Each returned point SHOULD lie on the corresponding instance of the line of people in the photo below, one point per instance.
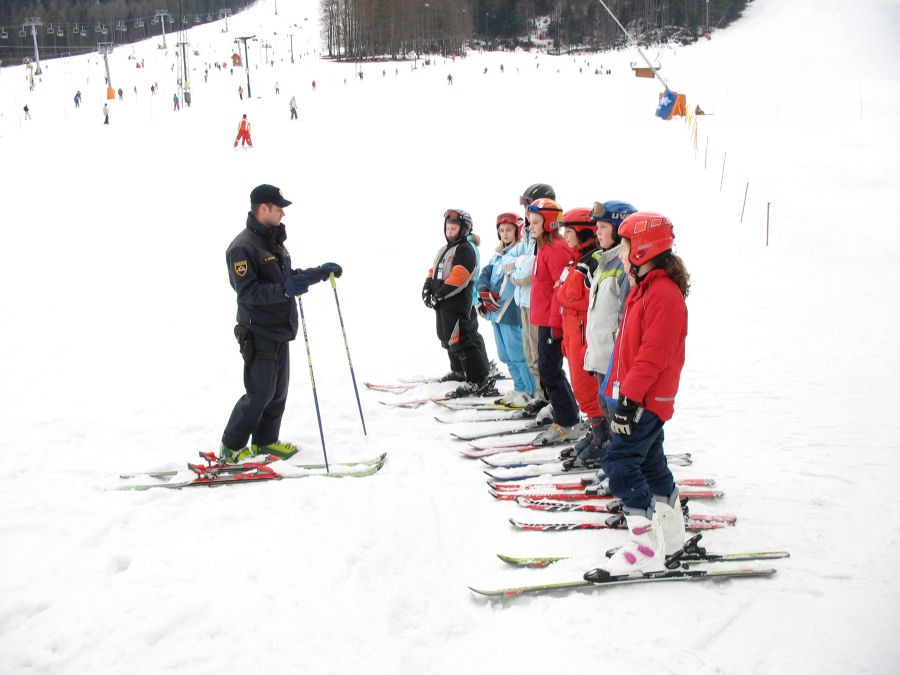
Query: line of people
(601, 288)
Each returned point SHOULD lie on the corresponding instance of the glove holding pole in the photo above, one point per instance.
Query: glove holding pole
(316, 274)
(296, 284)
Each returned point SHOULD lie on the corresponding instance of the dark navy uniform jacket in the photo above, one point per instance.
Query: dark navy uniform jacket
(258, 265)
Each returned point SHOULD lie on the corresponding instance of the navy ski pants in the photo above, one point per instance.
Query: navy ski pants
(636, 464)
(257, 414)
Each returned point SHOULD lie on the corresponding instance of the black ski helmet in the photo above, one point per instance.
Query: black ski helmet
(537, 191)
(461, 217)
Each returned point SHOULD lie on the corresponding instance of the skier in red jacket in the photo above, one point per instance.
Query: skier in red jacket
(243, 134)
(646, 367)
(573, 295)
(552, 257)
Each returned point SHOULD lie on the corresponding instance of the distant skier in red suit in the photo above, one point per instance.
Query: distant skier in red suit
(243, 134)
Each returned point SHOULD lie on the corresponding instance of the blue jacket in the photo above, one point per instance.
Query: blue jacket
(496, 279)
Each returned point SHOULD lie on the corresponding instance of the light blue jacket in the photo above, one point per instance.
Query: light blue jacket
(519, 261)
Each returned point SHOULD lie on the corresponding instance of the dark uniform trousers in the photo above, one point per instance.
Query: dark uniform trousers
(257, 414)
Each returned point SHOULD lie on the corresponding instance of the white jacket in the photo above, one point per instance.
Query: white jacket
(609, 288)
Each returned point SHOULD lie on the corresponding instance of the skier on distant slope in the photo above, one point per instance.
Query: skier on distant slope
(449, 289)
(243, 134)
(646, 368)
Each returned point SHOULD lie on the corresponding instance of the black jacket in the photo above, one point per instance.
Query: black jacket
(258, 265)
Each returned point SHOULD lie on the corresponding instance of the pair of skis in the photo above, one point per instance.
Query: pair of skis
(679, 566)
(215, 473)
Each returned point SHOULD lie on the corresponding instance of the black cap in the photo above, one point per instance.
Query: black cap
(268, 194)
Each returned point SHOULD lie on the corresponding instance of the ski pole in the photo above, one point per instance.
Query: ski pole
(312, 379)
(347, 349)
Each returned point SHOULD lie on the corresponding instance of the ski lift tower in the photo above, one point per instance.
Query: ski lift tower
(106, 48)
(34, 22)
(185, 83)
(225, 12)
(246, 58)
(161, 15)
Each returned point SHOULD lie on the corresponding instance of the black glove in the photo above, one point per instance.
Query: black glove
(296, 284)
(624, 416)
(330, 268)
(428, 294)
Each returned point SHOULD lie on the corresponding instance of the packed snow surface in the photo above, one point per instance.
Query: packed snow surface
(118, 355)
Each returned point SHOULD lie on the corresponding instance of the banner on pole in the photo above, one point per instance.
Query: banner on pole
(671, 104)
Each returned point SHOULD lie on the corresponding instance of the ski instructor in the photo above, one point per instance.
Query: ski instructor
(259, 269)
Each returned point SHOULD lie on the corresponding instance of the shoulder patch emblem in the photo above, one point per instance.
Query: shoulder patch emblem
(240, 268)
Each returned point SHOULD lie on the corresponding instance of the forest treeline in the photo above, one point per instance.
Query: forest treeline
(373, 29)
(362, 29)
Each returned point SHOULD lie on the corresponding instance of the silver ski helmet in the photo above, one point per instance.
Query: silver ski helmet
(462, 218)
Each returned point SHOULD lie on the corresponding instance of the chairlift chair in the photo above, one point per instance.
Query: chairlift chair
(75, 29)
(22, 33)
(139, 23)
(83, 32)
(50, 30)
(97, 28)
(60, 33)
(4, 35)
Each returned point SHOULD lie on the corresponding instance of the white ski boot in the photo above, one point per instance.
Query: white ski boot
(645, 552)
(671, 520)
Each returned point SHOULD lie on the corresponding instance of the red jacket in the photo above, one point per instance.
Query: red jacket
(574, 293)
(549, 264)
(649, 351)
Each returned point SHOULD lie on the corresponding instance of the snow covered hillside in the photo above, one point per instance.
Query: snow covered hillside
(117, 352)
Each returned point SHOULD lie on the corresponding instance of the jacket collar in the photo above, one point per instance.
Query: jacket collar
(273, 235)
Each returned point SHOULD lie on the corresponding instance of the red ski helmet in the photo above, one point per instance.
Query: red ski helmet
(549, 209)
(579, 219)
(650, 234)
(512, 219)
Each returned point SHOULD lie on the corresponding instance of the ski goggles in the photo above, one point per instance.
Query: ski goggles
(452, 216)
(511, 218)
(598, 211)
(535, 208)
